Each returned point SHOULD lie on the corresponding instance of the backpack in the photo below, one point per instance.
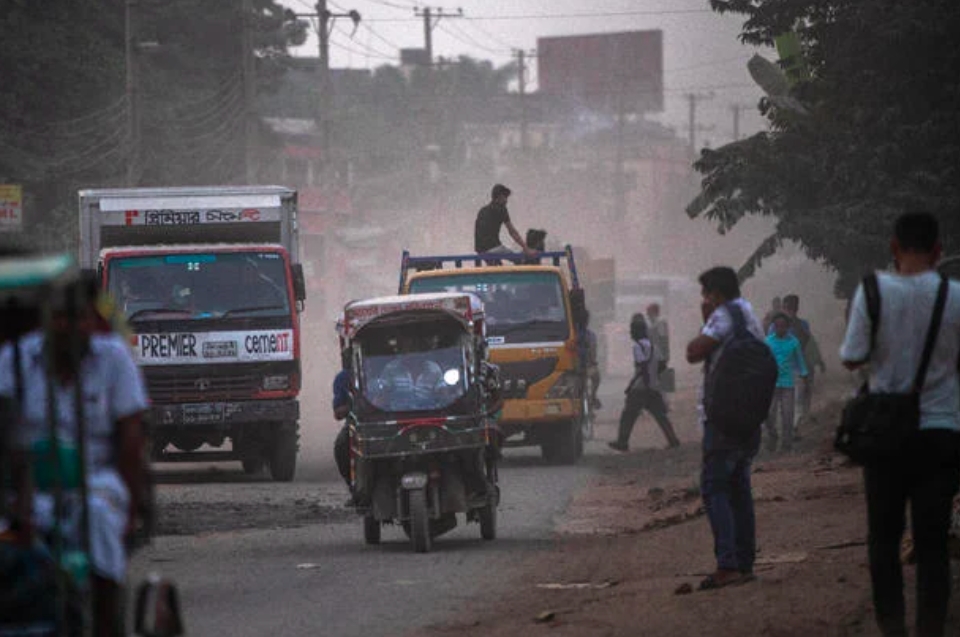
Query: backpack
(741, 382)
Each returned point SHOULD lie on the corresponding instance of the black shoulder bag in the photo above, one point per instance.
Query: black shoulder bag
(875, 426)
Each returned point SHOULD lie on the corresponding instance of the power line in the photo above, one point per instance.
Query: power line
(560, 16)
(465, 38)
(370, 51)
(394, 5)
(499, 40)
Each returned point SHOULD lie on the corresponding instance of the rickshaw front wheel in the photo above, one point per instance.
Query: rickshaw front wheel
(419, 520)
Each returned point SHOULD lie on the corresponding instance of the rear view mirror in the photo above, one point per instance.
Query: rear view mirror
(299, 283)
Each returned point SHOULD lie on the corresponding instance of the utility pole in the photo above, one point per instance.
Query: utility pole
(133, 123)
(522, 91)
(325, 20)
(692, 99)
(736, 109)
(430, 21)
(249, 95)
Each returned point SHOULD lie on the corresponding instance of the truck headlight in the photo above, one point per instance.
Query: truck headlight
(276, 383)
(566, 386)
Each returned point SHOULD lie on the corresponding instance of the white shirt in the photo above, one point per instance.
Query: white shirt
(644, 353)
(719, 327)
(906, 307)
(113, 389)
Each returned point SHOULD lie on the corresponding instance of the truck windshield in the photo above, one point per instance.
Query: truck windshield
(413, 368)
(521, 307)
(208, 285)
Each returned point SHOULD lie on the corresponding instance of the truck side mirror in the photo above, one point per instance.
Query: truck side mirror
(299, 283)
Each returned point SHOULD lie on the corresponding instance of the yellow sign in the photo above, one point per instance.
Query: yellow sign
(11, 208)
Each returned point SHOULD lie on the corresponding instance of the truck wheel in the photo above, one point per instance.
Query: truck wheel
(252, 466)
(419, 520)
(371, 530)
(283, 460)
(488, 521)
(564, 445)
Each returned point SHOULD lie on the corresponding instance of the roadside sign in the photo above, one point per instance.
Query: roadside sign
(11, 208)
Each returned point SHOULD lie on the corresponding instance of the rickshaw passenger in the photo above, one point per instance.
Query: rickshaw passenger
(115, 399)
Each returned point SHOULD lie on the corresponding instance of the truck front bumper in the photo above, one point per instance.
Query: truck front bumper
(223, 415)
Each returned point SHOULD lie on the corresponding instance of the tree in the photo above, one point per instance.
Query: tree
(64, 116)
(881, 132)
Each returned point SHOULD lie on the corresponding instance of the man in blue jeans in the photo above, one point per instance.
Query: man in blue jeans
(725, 474)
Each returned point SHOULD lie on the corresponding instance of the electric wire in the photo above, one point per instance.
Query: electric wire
(465, 38)
(560, 16)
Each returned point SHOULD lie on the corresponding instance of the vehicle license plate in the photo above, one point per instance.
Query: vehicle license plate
(220, 349)
(202, 414)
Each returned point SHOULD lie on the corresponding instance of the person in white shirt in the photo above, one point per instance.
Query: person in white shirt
(643, 392)
(927, 473)
(115, 399)
(725, 473)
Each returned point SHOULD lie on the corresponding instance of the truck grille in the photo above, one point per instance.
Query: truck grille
(517, 377)
(197, 387)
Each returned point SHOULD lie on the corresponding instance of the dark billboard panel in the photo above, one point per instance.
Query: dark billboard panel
(600, 69)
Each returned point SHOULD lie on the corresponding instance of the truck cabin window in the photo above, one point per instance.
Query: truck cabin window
(222, 285)
(413, 368)
(521, 307)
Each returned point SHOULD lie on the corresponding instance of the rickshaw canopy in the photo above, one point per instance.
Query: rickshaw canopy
(465, 308)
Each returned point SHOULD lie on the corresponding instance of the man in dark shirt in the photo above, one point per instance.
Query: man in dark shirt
(486, 232)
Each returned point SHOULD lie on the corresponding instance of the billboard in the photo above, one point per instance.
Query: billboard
(11, 208)
(604, 71)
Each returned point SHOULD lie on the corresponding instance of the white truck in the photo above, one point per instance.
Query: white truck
(210, 282)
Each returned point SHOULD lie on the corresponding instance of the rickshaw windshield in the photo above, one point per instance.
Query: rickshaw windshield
(413, 366)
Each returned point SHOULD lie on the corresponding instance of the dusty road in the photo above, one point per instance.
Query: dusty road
(254, 558)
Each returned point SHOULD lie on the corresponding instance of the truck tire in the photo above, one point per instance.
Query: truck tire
(488, 521)
(283, 459)
(564, 445)
(252, 466)
(419, 520)
(371, 529)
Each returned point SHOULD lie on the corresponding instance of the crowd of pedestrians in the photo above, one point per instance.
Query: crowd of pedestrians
(886, 347)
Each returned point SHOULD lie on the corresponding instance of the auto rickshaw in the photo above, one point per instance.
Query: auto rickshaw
(423, 435)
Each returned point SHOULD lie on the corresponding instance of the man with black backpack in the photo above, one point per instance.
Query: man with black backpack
(740, 374)
(906, 325)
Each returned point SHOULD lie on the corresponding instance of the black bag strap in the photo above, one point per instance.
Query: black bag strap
(932, 334)
(739, 320)
(871, 293)
(17, 373)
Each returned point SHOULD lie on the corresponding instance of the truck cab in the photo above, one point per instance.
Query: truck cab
(533, 336)
(210, 285)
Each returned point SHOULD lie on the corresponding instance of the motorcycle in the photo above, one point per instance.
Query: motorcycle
(423, 438)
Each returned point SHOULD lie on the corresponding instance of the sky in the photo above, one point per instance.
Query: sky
(702, 53)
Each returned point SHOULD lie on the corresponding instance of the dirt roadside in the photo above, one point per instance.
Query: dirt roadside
(638, 533)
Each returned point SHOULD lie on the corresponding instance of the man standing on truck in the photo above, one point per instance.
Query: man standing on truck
(486, 229)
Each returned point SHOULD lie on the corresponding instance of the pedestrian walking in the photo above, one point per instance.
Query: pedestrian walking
(643, 391)
(801, 329)
(727, 459)
(776, 307)
(790, 363)
(926, 469)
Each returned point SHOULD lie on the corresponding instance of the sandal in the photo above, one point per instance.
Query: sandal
(721, 579)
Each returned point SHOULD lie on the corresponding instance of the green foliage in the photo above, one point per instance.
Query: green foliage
(64, 117)
(882, 134)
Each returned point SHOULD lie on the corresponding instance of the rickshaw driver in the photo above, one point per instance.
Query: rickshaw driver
(342, 404)
(116, 399)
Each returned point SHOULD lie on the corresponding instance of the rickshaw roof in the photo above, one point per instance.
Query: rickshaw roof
(28, 276)
(465, 307)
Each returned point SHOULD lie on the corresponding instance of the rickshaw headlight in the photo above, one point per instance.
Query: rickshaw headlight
(565, 387)
(451, 377)
(276, 383)
(414, 481)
